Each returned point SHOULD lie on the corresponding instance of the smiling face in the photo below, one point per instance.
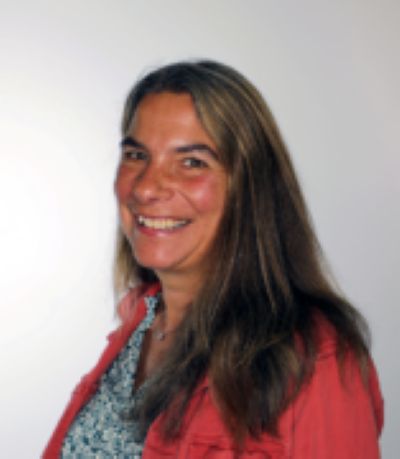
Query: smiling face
(170, 186)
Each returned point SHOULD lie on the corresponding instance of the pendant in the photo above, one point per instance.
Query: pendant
(159, 335)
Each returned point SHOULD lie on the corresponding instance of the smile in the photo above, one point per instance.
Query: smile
(161, 223)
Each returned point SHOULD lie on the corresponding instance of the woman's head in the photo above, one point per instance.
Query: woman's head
(264, 211)
(171, 188)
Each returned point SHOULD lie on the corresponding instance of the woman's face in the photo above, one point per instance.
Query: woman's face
(171, 186)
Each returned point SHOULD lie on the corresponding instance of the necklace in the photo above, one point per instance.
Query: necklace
(161, 333)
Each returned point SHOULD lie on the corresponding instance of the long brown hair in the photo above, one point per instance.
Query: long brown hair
(267, 285)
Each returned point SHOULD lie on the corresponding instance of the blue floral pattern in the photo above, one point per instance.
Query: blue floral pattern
(101, 429)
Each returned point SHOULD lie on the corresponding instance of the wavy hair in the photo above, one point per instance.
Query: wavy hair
(253, 326)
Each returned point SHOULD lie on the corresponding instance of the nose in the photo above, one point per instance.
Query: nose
(153, 183)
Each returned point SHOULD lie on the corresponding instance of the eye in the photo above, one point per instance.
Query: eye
(134, 155)
(194, 163)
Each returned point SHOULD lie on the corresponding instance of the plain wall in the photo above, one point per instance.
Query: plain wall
(330, 72)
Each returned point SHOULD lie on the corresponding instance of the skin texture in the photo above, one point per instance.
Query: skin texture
(170, 169)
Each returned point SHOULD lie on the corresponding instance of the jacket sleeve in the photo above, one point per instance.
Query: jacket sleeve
(338, 414)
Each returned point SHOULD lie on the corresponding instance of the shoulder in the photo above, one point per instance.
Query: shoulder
(331, 417)
(131, 310)
(339, 410)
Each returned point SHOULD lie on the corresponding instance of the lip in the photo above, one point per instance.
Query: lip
(160, 224)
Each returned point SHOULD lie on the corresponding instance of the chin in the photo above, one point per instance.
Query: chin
(155, 263)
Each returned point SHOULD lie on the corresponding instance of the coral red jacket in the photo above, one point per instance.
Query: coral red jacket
(328, 420)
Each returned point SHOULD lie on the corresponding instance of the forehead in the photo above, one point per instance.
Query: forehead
(164, 104)
(167, 114)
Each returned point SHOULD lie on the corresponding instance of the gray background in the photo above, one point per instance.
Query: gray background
(329, 70)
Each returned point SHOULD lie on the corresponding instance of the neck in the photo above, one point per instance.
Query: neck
(178, 293)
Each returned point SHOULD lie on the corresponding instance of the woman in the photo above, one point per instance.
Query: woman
(232, 342)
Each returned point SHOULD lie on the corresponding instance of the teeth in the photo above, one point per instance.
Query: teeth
(160, 223)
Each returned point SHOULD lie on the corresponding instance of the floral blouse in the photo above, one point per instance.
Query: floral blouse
(103, 428)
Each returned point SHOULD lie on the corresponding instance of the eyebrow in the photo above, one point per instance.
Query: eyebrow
(196, 147)
(132, 142)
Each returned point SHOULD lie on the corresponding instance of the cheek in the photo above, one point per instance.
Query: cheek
(207, 193)
(123, 184)
(122, 189)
